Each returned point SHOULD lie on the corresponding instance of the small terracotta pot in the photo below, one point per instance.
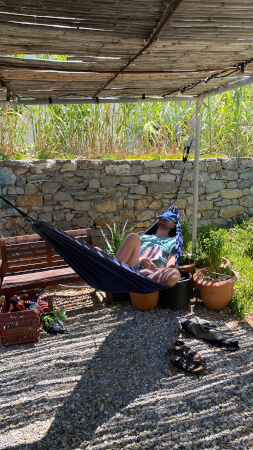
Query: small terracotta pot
(144, 302)
(190, 268)
(216, 295)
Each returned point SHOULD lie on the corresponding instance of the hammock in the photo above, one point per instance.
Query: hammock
(98, 269)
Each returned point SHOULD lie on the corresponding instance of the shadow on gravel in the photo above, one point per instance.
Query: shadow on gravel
(125, 366)
(128, 395)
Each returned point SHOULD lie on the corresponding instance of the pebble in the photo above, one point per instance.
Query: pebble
(118, 390)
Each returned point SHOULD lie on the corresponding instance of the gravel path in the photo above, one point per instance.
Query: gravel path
(109, 384)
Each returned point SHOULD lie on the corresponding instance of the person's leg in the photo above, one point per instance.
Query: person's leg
(168, 276)
(129, 251)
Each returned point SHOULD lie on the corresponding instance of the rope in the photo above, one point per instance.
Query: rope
(19, 210)
(187, 149)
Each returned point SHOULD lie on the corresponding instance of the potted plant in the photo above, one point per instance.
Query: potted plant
(215, 282)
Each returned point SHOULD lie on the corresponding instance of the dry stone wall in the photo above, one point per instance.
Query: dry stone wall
(89, 193)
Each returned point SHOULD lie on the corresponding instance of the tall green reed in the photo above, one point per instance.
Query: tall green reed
(128, 130)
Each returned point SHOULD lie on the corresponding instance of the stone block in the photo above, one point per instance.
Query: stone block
(62, 196)
(15, 190)
(203, 177)
(118, 169)
(227, 175)
(139, 189)
(228, 212)
(109, 181)
(247, 176)
(47, 217)
(214, 165)
(167, 177)
(90, 164)
(7, 177)
(214, 186)
(247, 201)
(77, 206)
(231, 193)
(106, 206)
(152, 163)
(145, 215)
(128, 181)
(136, 169)
(49, 187)
(88, 173)
(31, 189)
(30, 200)
(149, 177)
(232, 185)
(37, 178)
(246, 163)
(230, 163)
(94, 183)
(161, 188)
(69, 166)
(205, 205)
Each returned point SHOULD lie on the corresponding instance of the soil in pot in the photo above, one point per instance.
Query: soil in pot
(216, 294)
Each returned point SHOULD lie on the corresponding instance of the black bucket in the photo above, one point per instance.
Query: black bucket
(178, 296)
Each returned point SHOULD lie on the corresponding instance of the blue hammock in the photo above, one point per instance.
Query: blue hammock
(98, 269)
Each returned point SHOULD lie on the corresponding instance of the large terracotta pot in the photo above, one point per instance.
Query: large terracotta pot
(190, 268)
(144, 302)
(216, 295)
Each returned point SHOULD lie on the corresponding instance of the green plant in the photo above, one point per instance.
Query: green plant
(116, 237)
(187, 241)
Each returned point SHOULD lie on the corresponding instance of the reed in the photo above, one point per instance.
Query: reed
(146, 130)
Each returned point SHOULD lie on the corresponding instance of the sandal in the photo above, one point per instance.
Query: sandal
(180, 349)
(187, 364)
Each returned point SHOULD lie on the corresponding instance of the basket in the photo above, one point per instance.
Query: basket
(19, 327)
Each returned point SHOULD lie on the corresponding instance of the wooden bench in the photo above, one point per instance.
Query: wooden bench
(28, 262)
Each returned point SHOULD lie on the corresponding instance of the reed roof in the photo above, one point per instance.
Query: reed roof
(126, 48)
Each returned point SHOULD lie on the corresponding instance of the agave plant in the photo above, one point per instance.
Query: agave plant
(116, 237)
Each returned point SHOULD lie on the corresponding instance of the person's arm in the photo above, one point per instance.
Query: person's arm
(171, 261)
(147, 263)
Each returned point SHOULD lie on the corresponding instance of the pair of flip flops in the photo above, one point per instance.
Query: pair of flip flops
(186, 359)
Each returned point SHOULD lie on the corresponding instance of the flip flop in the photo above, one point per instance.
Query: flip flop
(180, 349)
(187, 364)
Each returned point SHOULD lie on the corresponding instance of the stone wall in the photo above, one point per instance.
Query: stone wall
(83, 193)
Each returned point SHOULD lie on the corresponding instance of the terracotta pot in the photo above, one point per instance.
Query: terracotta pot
(144, 302)
(216, 295)
(190, 268)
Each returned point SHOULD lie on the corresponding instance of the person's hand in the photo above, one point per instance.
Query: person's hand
(147, 263)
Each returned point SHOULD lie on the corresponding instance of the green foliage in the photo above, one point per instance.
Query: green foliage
(187, 242)
(116, 237)
(123, 131)
(238, 239)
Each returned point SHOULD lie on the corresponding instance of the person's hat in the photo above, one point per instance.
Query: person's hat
(169, 216)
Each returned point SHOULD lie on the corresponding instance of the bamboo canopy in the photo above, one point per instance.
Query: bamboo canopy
(123, 49)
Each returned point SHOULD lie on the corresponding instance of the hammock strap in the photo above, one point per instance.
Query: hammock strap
(187, 149)
(19, 210)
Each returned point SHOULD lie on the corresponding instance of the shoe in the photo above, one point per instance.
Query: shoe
(180, 349)
(188, 364)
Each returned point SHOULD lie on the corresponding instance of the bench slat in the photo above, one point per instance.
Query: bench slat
(28, 259)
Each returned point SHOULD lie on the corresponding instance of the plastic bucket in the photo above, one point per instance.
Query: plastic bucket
(178, 296)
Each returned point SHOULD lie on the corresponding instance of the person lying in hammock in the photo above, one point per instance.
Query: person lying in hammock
(153, 255)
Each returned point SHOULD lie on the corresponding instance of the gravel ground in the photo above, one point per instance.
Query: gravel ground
(109, 384)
